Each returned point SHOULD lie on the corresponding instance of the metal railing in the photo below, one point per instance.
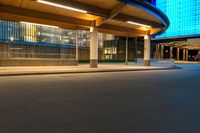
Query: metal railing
(162, 61)
(37, 55)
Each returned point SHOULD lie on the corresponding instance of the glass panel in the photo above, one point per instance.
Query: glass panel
(184, 16)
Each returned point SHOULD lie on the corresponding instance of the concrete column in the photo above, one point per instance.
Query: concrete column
(135, 43)
(162, 52)
(186, 55)
(183, 54)
(177, 54)
(171, 52)
(126, 60)
(94, 47)
(158, 51)
(147, 50)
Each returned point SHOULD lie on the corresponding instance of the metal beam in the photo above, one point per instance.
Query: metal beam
(22, 14)
(116, 10)
(42, 15)
(122, 31)
(76, 4)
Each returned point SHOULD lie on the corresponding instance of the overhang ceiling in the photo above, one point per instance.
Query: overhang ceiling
(183, 45)
(110, 16)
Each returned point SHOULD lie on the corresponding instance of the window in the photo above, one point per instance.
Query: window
(184, 16)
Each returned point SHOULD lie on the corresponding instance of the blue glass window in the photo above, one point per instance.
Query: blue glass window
(184, 16)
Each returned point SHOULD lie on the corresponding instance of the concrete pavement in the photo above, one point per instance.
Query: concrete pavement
(128, 102)
(82, 68)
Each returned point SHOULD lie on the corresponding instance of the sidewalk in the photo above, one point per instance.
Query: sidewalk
(82, 68)
(187, 62)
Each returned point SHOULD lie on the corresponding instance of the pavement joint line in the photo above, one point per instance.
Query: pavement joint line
(87, 71)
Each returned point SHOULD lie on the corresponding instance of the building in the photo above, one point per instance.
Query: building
(31, 40)
(181, 40)
(57, 32)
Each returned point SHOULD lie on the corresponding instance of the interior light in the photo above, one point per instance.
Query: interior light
(12, 38)
(39, 24)
(91, 29)
(146, 37)
(61, 6)
(143, 25)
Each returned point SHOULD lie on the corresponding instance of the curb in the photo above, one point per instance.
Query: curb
(95, 71)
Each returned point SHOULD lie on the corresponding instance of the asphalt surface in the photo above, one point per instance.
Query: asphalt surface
(119, 102)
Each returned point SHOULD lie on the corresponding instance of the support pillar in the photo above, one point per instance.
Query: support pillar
(177, 54)
(186, 55)
(158, 51)
(162, 52)
(93, 47)
(171, 52)
(183, 54)
(126, 60)
(136, 56)
(147, 50)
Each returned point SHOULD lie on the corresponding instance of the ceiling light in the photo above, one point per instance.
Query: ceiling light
(39, 24)
(61, 6)
(143, 25)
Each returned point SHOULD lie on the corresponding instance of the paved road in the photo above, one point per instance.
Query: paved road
(125, 102)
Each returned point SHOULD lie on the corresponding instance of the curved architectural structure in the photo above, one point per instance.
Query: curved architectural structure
(111, 16)
(118, 17)
(151, 9)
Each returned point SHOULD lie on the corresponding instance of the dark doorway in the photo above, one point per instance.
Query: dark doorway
(166, 52)
(192, 55)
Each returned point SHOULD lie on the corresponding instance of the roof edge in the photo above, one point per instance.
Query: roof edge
(150, 8)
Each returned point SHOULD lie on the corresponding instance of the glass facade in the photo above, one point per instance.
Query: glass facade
(32, 40)
(115, 50)
(9, 30)
(184, 16)
(35, 33)
(31, 33)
